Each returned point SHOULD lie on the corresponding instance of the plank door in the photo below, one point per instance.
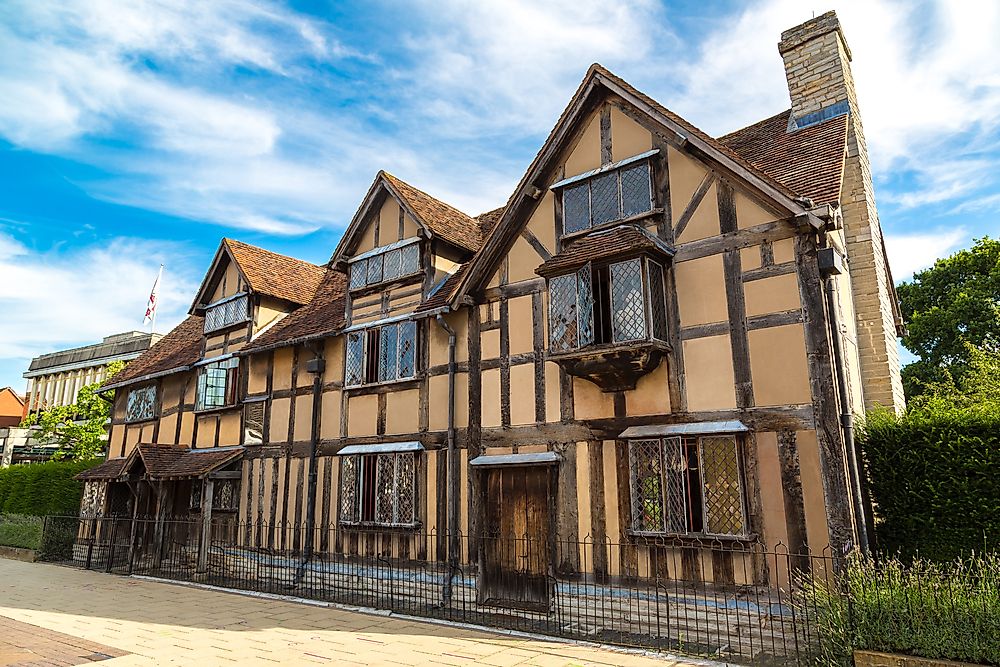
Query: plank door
(515, 553)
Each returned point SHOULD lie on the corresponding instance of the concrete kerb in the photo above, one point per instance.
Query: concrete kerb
(371, 611)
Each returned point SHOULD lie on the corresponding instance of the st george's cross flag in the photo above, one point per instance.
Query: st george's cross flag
(151, 306)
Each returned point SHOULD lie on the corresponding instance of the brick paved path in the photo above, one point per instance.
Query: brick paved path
(164, 624)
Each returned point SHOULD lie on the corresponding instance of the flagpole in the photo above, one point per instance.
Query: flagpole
(152, 325)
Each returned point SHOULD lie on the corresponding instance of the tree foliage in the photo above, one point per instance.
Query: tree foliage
(947, 308)
(78, 429)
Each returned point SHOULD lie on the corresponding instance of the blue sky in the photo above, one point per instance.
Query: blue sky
(138, 133)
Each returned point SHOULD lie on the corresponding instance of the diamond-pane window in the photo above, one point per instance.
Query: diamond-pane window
(657, 301)
(635, 189)
(141, 404)
(228, 313)
(646, 478)
(375, 269)
(562, 313)
(628, 310)
(585, 305)
(355, 366)
(409, 259)
(721, 475)
(378, 489)
(407, 348)
(604, 201)
(226, 495)
(381, 354)
(576, 208)
(359, 274)
(391, 265)
(388, 353)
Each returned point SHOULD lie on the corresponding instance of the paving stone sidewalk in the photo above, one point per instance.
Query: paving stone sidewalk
(84, 616)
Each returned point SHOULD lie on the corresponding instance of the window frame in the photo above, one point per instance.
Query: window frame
(230, 389)
(685, 443)
(351, 509)
(258, 402)
(363, 263)
(154, 405)
(372, 342)
(586, 337)
(587, 180)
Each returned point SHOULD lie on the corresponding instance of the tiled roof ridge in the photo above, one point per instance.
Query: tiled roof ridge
(447, 223)
(273, 274)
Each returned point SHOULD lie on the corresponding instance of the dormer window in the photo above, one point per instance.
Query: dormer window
(612, 193)
(385, 264)
(227, 312)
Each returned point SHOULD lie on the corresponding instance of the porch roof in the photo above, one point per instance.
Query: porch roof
(166, 462)
(110, 469)
(622, 240)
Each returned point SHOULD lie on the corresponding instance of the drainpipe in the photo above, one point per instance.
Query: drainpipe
(453, 541)
(830, 264)
(316, 366)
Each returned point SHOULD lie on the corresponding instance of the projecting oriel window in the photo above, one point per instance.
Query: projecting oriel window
(217, 384)
(610, 195)
(381, 354)
(687, 485)
(605, 304)
(378, 489)
(396, 261)
(141, 405)
(227, 312)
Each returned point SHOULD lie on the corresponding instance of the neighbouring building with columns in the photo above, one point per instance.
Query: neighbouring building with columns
(55, 378)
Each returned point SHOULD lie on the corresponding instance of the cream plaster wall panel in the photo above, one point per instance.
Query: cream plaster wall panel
(191, 387)
(772, 295)
(701, 291)
(749, 213)
(278, 431)
(229, 429)
(520, 328)
(439, 339)
(532, 449)
(750, 258)
(542, 222)
(330, 415)
(438, 401)
(168, 430)
(771, 493)
(817, 532)
(705, 220)
(628, 137)
(650, 396)
(304, 378)
(116, 440)
(206, 431)
(613, 526)
(523, 261)
(491, 397)
(388, 222)
(257, 378)
(216, 342)
(146, 434)
(490, 346)
(367, 240)
(589, 402)
(267, 311)
(583, 503)
(778, 366)
(187, 428)
(334, 355)
(495, 280)
(586, 155)
(686, 174)
(402, 411)
(522, 394)
(784, 250)
(131, 438)
(282, 374)
(708, 369)
(229, 285)
(362, 415)
(303, 418)
(409, 227)
(552, 392)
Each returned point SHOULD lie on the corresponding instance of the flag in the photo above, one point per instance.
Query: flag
(151, 306)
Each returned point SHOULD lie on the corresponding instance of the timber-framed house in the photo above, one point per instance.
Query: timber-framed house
(661, 335)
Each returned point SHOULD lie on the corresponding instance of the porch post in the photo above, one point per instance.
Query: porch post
(208, 491)
(162, 507)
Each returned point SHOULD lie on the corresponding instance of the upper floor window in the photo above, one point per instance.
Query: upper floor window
(378, 489)
(253, 422)
(227, 312)
(610, 303)
(141, 405)
(612, 193)
(385, 264)
(217, 383)
(381, 354)
(687, 485)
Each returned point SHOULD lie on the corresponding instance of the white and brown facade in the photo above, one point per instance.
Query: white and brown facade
(658, 335)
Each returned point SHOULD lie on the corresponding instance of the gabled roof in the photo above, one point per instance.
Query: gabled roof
(17, 396)
(596, 86)
(175, 352)
(808, 161)
(267, 273)
(323, 316)
(110, 469)
(621, 241)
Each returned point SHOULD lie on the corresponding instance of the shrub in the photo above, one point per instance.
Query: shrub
(18, 530)
(947, 611)
(40, 489)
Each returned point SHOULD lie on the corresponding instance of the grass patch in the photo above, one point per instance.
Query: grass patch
(19, 530)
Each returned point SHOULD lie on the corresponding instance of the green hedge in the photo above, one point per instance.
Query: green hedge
(40, 489)
(947, 611)
(933, 475)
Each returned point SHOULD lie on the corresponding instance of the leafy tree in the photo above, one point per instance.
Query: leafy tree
(949, 307)
(78, 429)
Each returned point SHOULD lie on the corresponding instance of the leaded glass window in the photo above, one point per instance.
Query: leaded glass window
(628, 320)
(253, 423)
(217, 384)
(393, 263)
(378, 489)
(657, 301)
(687, 485)
(232, 311)
(141, 405)
(381, 354)
(562, 313)
(608, 196)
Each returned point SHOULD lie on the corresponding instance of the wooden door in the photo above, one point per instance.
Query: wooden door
(515, 550)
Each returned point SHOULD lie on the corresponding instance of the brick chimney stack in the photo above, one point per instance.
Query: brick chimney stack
(818, 69)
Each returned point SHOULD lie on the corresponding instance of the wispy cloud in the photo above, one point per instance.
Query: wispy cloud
(909, 253)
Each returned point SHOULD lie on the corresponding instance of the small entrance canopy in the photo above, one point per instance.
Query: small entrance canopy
(694, 428)
(160, 462)
(106, 471)
(503, 460)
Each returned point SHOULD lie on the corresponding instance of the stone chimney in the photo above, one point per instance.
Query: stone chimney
(818, 68)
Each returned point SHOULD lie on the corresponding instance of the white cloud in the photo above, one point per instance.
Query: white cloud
(52, 300)
(909, 253)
